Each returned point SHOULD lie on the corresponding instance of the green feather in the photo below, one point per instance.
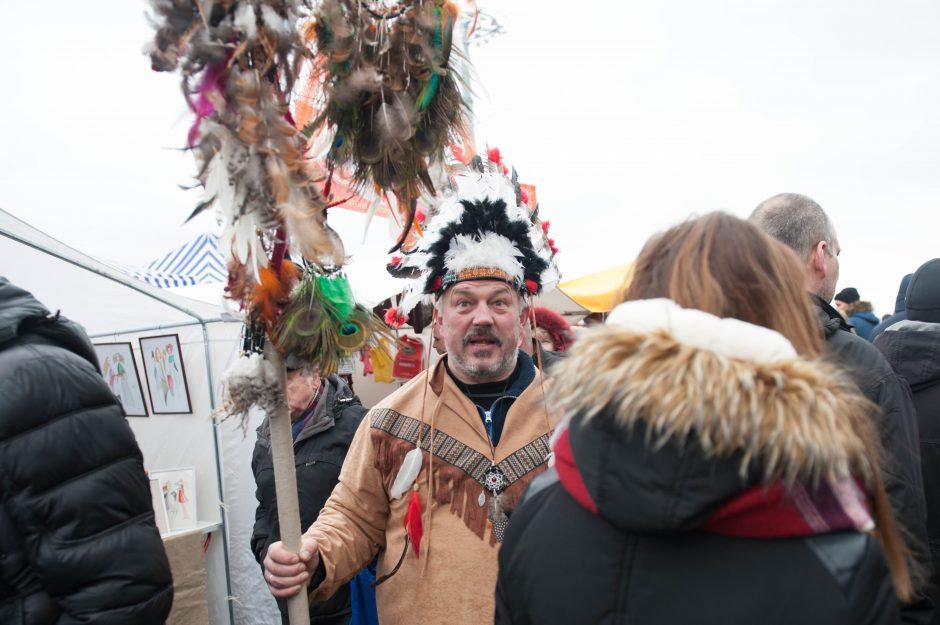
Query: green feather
(429, 88)
(427, 92)
(338, 293)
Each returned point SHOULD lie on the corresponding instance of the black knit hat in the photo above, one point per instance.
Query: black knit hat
(848, 295)
(923, 294)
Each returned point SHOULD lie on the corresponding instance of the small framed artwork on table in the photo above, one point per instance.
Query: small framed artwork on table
(119, 370)
(166, 376)
(159, 506)
(178, 491)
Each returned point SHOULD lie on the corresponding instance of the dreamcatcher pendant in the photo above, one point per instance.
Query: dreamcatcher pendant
(495, 481)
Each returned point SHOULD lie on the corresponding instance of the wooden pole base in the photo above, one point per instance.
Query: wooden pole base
(285, 484)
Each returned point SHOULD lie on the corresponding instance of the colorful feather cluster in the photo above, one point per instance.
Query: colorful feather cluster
(239, 60)
(390, 103)
(322, 322)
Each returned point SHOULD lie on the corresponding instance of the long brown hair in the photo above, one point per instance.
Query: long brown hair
(728, 267)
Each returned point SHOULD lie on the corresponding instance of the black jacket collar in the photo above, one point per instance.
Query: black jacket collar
(831, 320)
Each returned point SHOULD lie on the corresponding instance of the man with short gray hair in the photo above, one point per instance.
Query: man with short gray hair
(801, 224)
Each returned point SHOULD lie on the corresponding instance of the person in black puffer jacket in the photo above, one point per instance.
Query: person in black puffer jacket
(78, 541)
(912, 346)
(712, 469)
(802, 225)
(324, 414)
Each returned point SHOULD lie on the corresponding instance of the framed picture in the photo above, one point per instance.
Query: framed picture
(159, 506)
(178, 491)
(120, 372)
(166, 377)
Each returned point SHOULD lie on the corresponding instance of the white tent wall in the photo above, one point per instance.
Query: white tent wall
(252, 602)
(86, 290)
(112, 308)
(170, 441)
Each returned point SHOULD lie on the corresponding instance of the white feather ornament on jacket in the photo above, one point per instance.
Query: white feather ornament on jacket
(407, 474)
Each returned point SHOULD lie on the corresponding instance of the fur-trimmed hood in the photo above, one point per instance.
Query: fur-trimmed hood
(672, 411)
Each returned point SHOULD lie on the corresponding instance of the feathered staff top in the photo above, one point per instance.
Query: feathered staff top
(387, 103)
(239, 62)
(483, 229)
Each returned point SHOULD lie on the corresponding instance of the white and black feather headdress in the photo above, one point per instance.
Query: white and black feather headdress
(481, 230)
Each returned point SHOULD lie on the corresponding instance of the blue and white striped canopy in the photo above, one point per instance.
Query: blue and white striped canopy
(196, 262)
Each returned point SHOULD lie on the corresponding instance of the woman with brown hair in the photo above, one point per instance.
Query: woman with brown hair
(711, 469)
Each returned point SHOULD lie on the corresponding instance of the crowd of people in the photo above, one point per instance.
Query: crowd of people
(738, 443)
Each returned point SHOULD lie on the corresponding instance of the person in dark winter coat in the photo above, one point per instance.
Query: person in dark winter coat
(801, 224)
(859, 313)
(324, 415)
(912, 346)
(706, 471)
(78, 541)
(900, 314)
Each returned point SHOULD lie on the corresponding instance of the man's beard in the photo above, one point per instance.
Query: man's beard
(498, 370)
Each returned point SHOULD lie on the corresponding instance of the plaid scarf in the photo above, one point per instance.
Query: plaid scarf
(777, 511)
(765, 511)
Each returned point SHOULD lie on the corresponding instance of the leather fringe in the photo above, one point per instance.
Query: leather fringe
(452, 485)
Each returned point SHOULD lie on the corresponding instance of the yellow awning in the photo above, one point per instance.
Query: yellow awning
(601, 291)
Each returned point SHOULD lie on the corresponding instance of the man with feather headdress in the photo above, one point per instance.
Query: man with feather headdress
(435, 469)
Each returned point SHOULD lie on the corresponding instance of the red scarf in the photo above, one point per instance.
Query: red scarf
(763, 511)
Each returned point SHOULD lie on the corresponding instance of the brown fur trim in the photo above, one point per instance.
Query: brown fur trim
(794, 418)
(859, 306)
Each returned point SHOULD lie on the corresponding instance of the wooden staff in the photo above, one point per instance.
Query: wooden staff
(285, 483)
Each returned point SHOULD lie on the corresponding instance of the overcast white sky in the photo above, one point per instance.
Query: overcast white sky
(627, 116)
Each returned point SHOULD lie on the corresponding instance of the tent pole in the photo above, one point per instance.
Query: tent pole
(165, 326)
(223, 511)
(128, 282)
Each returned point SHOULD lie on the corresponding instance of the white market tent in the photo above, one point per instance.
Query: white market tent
(86, 290)
(114, 308)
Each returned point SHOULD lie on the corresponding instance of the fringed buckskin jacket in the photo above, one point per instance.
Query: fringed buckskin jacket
(705, 476)
(453, 578)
